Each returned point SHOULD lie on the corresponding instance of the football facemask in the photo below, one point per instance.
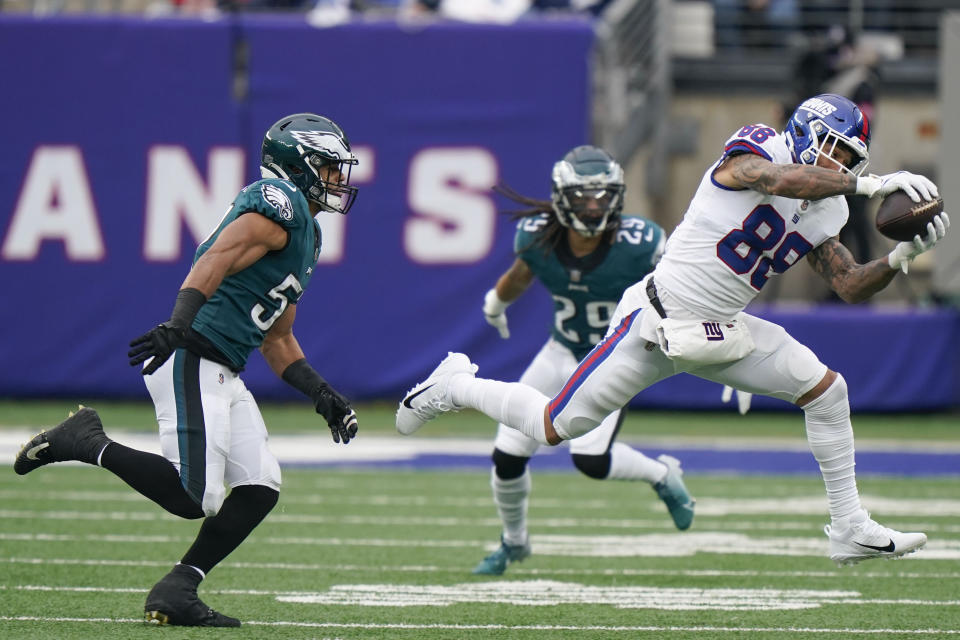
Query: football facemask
(331, 189)
(590, 211)
(588, 189)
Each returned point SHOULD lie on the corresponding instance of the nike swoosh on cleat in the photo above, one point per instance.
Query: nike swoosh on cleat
(888, 548)
(33, 451)
(409, 398)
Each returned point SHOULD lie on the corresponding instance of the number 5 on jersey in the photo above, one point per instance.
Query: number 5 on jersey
(257, 312)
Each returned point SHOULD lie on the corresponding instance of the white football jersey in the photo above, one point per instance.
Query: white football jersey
(731, 241)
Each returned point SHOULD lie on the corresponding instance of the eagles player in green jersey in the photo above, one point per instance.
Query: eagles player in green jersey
(585, 253)
(240, 295)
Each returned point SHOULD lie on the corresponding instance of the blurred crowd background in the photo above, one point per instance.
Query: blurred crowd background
(661, 84)
(672, 78)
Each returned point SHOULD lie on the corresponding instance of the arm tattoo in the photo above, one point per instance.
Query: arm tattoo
(790, 180)
(853, 282)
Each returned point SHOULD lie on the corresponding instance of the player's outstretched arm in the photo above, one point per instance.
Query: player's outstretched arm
(857, 282)
(509, 287)
(800, 181)
(853, 282)
(282, 352)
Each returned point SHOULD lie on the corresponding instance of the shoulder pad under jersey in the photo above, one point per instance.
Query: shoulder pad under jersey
(761, 140)
(278, 200)
(528, 230)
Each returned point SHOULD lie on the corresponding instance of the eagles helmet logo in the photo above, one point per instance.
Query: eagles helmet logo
(276, 197)
(324, 141)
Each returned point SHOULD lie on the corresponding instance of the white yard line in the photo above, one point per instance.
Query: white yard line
(316, 448)
(657, 524)
(654, 545)
(503, 627)
(543, 593)
(408, 568)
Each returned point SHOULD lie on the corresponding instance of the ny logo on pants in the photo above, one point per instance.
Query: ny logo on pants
(712, 329)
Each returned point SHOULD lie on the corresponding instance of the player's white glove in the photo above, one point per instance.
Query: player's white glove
(495, 311)
(743, 398)
(905, 252)
(916, 186)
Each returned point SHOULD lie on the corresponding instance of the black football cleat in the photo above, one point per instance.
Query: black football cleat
(174, 601)
(79, 437)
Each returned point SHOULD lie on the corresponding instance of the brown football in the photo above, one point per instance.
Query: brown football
(900, 218)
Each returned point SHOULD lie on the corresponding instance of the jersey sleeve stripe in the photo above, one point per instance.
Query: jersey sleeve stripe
(749, 147)
(600, 353)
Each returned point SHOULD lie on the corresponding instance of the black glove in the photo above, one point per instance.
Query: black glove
(158, 343)
(338, 413)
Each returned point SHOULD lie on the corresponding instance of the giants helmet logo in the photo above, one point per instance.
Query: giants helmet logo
(818, 106)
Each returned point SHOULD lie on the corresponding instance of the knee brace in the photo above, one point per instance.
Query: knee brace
(593, 466)
(507, 466)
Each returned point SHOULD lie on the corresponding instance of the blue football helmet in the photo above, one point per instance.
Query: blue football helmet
(587, 193)
(821, 123)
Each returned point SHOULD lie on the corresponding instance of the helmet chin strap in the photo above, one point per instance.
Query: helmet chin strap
(332, 202)
(328, 199)
(581, 228)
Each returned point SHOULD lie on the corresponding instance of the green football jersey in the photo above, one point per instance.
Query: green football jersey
(586, 290)
(247, 303)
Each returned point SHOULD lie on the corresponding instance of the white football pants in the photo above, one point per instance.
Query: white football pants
(210, 429)
(625, 363)
(550, 368)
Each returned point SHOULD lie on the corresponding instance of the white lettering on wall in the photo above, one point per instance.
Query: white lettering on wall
(455, 217)
(176, 194)
(55, 204)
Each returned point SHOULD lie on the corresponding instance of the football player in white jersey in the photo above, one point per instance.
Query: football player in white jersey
(769, 200)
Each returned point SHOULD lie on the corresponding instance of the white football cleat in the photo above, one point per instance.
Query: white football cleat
(431, 397)
(864, 539)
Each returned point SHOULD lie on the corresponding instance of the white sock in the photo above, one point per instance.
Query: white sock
(830, 435)
(202, 574)
(511, 403)
(627, 463)
(511, 498)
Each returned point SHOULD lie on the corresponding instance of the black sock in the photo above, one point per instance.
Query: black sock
(153, 476)
(242, 511)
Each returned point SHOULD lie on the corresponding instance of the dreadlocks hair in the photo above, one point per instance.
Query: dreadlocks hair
(553, 232)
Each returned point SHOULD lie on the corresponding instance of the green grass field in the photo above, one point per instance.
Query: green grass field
(378, 418)
(385, 553)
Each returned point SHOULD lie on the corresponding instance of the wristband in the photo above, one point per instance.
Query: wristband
(492, 304)
(893, 261)
(302, 377)
(187, 306)
(868, 185)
